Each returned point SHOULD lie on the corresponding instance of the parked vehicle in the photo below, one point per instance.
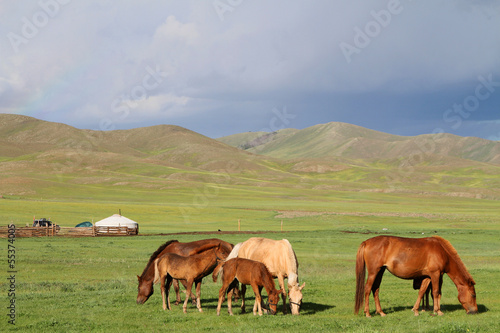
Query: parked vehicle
(43, 222)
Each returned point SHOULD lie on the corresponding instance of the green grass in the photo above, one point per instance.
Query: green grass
(87, 284)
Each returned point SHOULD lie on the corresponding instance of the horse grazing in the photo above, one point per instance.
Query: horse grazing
(192, 269)
(145, 288)
(246, 272)
(280, 260)
(411, 258)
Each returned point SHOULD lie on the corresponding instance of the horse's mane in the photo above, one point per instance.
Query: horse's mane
(292, 260)
(234, 252)
(454, 254)
(156, 253)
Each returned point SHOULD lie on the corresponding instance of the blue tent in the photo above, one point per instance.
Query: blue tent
(84, 224)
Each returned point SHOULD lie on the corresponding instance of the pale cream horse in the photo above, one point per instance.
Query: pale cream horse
(281, 262)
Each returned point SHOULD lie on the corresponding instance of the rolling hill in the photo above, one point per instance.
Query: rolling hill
(50, 160)
(357, 143)
(37, 154)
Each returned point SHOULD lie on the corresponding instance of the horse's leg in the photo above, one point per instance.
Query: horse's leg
(375, 289)
(258, 299)
(421, 293)
(436, 286)
(264, 307)
(281, 282)
(242, 292)
(426, 298)
(233, 286)
(368, 288)
(188, 294)
(230, 301)
(177, 293)
(162, 289)
(168, 285)
(222, 292)
(439, 292)
(198, 295)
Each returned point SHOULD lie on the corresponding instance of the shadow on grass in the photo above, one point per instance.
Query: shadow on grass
(444, 308)
(307, 308)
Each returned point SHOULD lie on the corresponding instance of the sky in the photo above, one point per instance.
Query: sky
(220, 67)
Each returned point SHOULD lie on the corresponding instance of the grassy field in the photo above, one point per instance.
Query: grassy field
(89, 284)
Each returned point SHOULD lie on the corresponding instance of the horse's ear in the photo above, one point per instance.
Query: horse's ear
(138, 278)
(302, 286)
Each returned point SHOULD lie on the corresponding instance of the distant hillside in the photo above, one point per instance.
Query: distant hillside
(41, 159)
(36, 154)
(22, 135)
(358, 143)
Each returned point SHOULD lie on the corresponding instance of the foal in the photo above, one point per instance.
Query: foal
(192, 269)
(246, 272)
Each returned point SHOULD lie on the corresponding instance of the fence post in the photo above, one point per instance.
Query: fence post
(239, 224)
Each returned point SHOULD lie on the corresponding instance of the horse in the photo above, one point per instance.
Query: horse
(424, 286)
(145, 287)
(411, 258)
(192, 269)
(247, 272)
(280, 260)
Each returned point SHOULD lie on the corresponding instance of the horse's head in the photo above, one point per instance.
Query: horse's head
(295, 297)
(467, 297)
(273, 300)
(221, 252)
(145, 290)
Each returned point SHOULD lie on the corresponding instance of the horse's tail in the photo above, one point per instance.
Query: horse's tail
(360, 278)
(157, 272)
(234, 252)
(218, 270)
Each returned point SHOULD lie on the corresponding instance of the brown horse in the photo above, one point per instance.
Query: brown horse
(145, 288)
(192, 269)
(246, 272)
(411, 258)
(280, 260)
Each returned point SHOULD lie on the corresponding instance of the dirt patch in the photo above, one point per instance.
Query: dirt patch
(359, 232)
(290, 214)
(217, 233)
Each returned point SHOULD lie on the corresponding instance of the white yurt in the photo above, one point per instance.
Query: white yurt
(117, 220)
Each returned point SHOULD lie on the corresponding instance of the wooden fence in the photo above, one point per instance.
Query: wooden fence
(68, 232)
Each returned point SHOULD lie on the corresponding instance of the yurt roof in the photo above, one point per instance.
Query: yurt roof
(116, 220)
